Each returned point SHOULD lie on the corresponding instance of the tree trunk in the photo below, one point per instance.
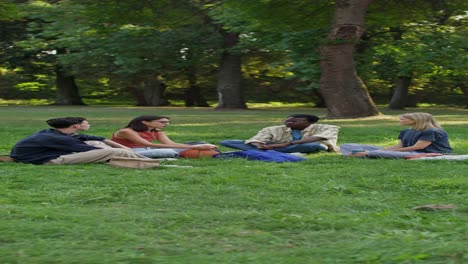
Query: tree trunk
(138, 95)
(400, 94)
(230, 75)
(193, 96)
(320, 103)
(67, 90)
(149, 92)
(154, 93)
(464, 89)
(344, 93)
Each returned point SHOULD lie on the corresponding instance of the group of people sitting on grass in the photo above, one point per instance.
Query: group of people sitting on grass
(143, 138)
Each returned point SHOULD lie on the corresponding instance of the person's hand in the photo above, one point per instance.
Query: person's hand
(282, 145)
(205, 146)
(358, 154)
(273, 146)
(265, 147)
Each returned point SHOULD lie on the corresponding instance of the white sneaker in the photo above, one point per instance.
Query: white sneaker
(298, 154)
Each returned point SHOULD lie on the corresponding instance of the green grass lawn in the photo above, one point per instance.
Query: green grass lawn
(327, 209)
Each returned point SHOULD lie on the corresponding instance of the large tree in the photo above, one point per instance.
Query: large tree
(42, 46)
(297, 28)
(230, 74)
(138, 44)
(344, 93)
(229, 80)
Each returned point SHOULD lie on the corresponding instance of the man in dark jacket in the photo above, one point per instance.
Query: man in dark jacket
(62, 145)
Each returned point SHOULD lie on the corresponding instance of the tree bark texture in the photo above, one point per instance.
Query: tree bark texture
(148, 91)
(400, 93)
(230, 75)
(193, 96)
(343, 91)
(67, 90)
(464, 89)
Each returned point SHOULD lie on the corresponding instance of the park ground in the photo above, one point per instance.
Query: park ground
(327, 209)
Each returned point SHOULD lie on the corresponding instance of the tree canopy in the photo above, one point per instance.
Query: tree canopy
(236, 51)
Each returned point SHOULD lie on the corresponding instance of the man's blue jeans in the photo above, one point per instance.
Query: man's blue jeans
(303, 148)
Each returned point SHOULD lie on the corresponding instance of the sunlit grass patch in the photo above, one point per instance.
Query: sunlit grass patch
(270, 105)
(6, 102)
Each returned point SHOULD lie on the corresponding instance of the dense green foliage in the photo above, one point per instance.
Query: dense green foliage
(328, 209)
(111, 46)
(424, 51)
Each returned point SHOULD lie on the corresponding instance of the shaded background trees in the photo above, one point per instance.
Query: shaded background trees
(230, 52)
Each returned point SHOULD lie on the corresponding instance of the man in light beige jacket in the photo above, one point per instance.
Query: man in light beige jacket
(299, 133)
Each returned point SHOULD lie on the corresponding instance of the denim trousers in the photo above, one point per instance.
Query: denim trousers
(158, 152)
(303, 147)
(376, 152)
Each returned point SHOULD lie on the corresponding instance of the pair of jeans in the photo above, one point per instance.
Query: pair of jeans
(303, 147)
(158, 152)
(376, 152)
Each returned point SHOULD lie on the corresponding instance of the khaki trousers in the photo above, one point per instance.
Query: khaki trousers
(94, 156)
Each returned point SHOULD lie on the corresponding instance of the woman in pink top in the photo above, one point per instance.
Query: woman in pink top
(142, 130)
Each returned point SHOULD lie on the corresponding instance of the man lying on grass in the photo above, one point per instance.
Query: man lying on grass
(62, 145)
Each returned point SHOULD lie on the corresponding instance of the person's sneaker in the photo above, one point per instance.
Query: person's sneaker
(298, 154)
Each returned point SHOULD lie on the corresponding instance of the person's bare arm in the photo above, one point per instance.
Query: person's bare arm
(420, 144)
(394, 147)
(260, 145)
(307, 140)
(165, 141)
(282, 145)
(273, 146)
(115, 144)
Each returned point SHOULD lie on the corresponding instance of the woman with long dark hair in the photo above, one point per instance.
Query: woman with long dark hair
(140, 133)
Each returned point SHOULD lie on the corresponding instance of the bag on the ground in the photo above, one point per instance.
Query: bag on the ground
(267, 156)
(198, 153)
(134, 163)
